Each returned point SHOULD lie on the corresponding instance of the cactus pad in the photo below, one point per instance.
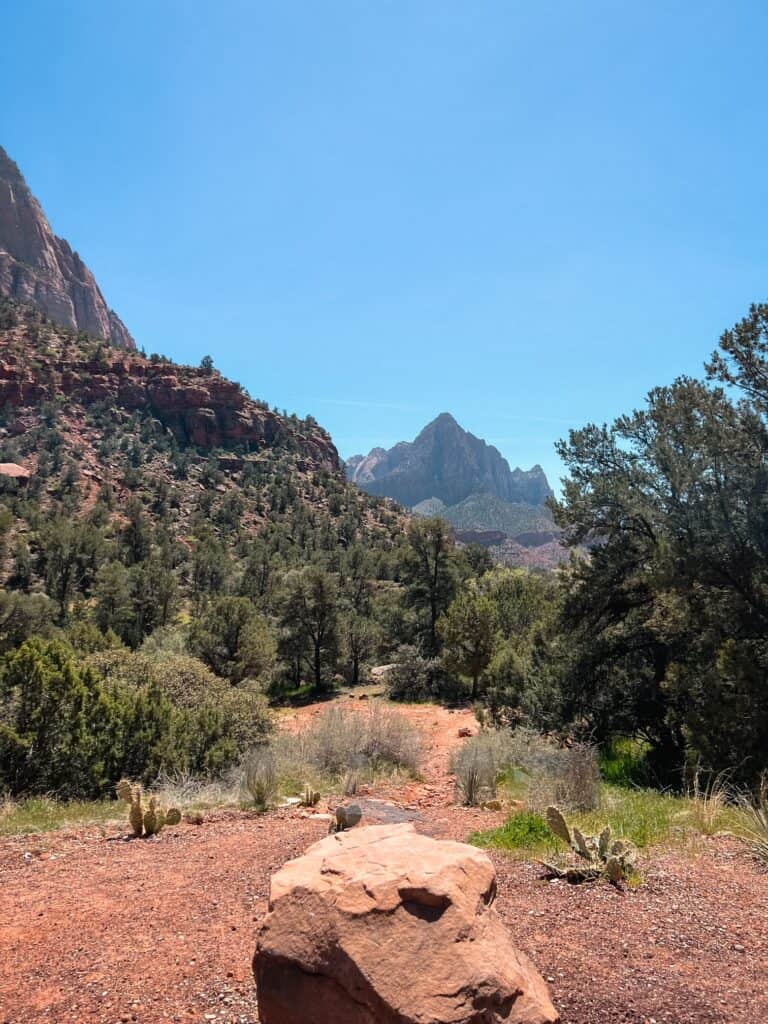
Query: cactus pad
(557, 824)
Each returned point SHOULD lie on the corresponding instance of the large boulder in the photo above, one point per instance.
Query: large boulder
(381, 925)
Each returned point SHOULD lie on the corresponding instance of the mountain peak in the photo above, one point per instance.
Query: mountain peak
(42, 270)
(448, 463)
(444, 419)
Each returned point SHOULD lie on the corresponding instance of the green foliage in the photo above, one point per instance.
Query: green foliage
(310, 621)
(234, 640)
(48, 706)
(523, 831)
(430, 575)
(23, 616)
(215, 722)
(74, 729)
(623, 762)
(468, 632)
(660, 634)
(44, 814)
(412, 677)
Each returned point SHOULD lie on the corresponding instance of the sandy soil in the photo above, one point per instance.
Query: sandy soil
(97, 929)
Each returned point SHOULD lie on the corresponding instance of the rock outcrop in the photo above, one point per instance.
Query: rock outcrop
(448, 463)
(38, 268)
(382, 925)
(201, 408)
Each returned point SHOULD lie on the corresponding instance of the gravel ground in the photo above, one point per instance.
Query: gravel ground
(97, 929)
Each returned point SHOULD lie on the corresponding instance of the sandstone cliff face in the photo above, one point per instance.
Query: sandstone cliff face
(40, 269)
(448, 463)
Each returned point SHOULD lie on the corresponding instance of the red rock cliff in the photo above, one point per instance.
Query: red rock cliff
(202, 409)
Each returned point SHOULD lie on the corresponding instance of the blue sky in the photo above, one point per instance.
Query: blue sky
(524, 214)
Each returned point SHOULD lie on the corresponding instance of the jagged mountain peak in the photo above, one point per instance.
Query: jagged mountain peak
(41, 269)
(446, 462)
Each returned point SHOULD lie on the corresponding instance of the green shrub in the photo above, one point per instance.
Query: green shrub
(415, 678)
(623, 762)
(234, 640)
(229, 718)
(73, 731)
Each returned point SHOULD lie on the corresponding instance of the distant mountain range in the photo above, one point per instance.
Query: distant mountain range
(448, 472)
(488, 512)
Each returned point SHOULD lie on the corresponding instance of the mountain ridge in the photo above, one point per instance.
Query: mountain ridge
(40, 269)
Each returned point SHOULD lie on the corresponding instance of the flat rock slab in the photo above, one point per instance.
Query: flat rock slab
(382, 812)
(381, 925)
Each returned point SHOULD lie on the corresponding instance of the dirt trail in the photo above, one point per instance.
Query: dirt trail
(100, 930)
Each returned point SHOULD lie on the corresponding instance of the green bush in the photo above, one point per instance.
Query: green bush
(416, 678)
(623, 763)
(233, 639)
(74, 730)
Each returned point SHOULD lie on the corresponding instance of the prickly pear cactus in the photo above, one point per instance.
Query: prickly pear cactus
(152, 822)
(557, 824)
(598, 855)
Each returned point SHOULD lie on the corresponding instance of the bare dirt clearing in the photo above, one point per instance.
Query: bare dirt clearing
(94, 929)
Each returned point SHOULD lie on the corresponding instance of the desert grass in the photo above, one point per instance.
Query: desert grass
(753, 826)
(646, 817)
(46, 814)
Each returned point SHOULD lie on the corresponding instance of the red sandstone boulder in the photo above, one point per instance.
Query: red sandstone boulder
(381, 925)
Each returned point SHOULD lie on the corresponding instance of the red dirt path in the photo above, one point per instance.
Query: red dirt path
(94, 929)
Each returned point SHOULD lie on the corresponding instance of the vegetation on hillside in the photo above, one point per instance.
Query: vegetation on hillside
(158, 595)
(489, 512)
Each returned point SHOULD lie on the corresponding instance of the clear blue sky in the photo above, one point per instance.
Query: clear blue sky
(524, 214)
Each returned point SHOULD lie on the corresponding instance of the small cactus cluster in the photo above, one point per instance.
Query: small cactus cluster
(145, 821)
(346, 817)
(602, 858)
(311, 797)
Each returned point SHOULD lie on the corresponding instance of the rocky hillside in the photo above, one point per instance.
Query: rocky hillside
(40, 364)
(38, 268)
(487, 512)
(448, 463)
(86, 418)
